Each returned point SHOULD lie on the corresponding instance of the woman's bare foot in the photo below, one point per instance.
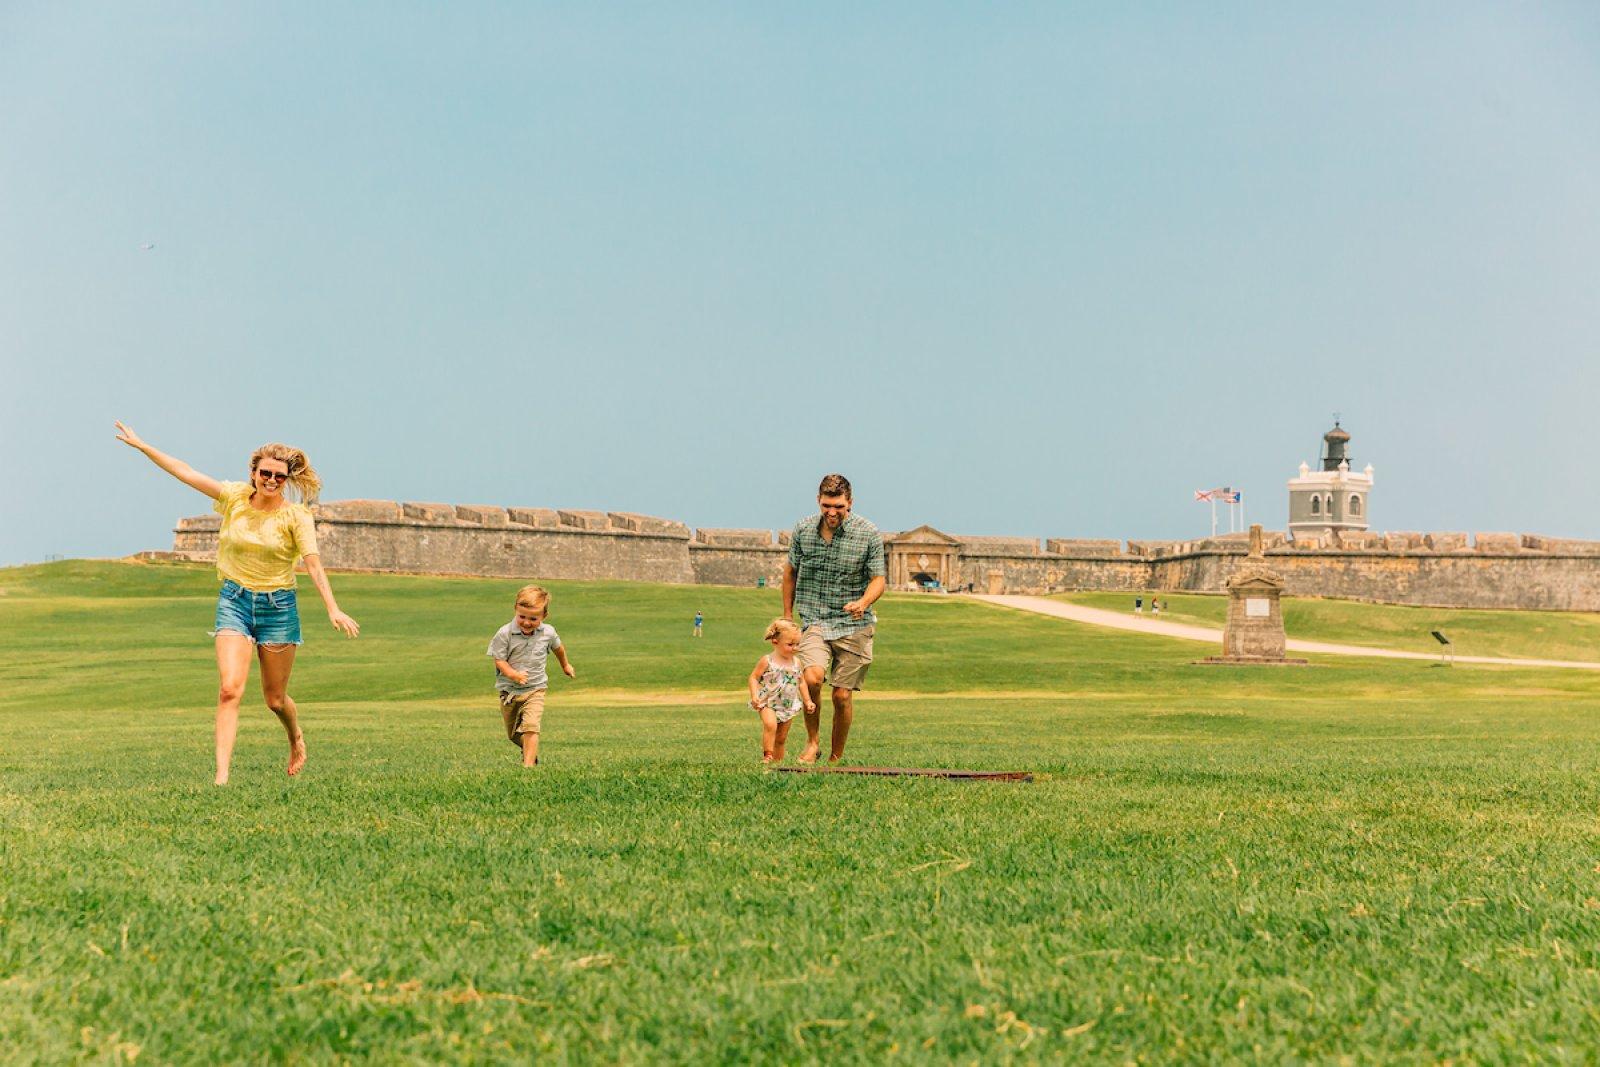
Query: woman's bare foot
(222, 778)
(809, 754)
(297, 754)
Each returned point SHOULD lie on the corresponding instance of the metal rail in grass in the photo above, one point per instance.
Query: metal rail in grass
(917, 772)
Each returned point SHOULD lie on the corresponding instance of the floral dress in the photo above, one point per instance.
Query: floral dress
(778, 688)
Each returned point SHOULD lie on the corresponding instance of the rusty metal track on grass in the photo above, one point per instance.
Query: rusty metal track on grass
(916, 772)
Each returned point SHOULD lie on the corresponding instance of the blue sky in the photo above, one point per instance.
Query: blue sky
(1032, 270)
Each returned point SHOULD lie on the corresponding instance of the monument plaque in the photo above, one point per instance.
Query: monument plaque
(1254, 633)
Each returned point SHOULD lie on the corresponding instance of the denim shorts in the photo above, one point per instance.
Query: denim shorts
(265, 618)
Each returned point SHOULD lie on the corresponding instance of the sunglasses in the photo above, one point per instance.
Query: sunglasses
(277, 476)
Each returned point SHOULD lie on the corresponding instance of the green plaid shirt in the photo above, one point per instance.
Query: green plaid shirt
(830, 574)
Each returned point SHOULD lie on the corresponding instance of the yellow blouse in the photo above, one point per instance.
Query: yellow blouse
(258, 549)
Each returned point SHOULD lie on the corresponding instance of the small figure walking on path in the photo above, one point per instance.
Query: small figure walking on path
(1138, 605)
(698, 620)
(520, 649)
(776, 691)
(1155, 606)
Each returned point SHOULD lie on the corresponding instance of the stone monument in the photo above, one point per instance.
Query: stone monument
(1254, 633)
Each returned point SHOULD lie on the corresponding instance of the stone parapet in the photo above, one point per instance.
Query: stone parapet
(435, 514)
(734, 538)
(538, 518)
(1151, 549)
(1082, 549)
(1497, 543)
(1560, 545)
(359, 511)
(584, 520)
(1361, 540)
(482, 516)
(1000, 546)
(645, 524)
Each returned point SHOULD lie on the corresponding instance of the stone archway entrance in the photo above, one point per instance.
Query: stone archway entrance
(922, 557)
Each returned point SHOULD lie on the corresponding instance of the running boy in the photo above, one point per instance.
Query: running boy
(519, 649)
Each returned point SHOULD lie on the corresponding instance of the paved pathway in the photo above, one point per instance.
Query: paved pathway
(1153, 624)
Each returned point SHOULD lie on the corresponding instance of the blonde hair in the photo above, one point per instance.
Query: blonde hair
(533, 596)
(302, 478)
(781, 626)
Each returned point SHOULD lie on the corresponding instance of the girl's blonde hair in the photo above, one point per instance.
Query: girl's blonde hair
(302, 478)
(781, 626)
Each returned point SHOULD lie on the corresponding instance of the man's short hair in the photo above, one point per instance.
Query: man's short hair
(835, 485)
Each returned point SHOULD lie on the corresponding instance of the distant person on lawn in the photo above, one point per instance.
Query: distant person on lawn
(520, 649)
(262, 536)
(834, 573)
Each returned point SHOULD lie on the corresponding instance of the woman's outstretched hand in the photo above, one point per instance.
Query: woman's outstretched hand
(344, 623)
(128, 437)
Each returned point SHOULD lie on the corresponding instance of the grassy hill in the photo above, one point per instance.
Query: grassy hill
(1362, 859)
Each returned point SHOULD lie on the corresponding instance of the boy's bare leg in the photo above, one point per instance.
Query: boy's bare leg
(277, 662)
(779, 737)
(233, 667)
(530, 749)
(812, 680)
(844, 711)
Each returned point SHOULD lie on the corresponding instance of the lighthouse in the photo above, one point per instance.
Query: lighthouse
(1332, 498)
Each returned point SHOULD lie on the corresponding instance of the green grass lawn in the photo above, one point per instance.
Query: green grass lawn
(1361, 860)
(1568, 635)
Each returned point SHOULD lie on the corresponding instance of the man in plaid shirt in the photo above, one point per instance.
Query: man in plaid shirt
(833, 574)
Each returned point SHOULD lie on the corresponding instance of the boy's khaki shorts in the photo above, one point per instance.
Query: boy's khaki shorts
(847, 658)
(522, 713)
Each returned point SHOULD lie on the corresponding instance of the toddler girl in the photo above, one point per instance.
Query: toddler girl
(776, 692)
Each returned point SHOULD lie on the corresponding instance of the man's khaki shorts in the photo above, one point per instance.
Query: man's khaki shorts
(522, 713)
(847, 658)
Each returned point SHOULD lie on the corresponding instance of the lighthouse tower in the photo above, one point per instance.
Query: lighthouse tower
(1333, 498)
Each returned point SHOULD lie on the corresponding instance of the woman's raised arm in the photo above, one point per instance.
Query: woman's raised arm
(175, 467)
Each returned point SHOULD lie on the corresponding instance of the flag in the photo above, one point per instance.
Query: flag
(1233, 497)
(1202, 494)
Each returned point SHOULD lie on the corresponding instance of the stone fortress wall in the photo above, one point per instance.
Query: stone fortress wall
(1490, 570)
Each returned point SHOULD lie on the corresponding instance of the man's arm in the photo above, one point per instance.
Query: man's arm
(874, 567)
(875, 588)
(788, 591)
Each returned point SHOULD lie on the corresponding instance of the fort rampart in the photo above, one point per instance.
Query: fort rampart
(1489, 570)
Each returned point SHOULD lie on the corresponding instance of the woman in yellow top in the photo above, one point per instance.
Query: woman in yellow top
(263, 534)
